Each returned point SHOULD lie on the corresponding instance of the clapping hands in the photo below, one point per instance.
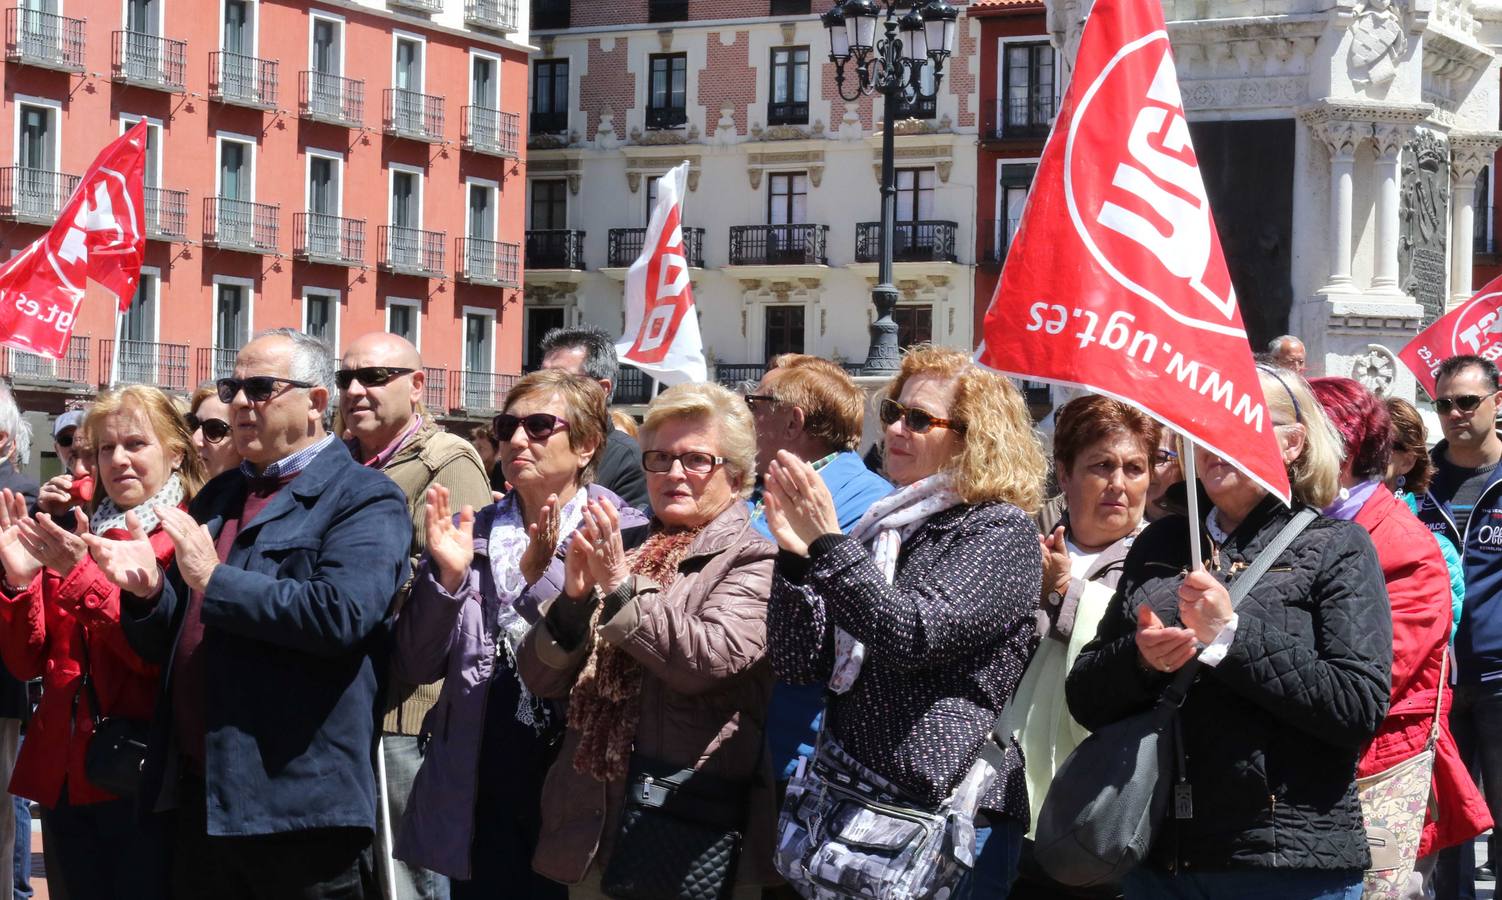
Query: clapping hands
(596, 557)
(799, 507)
(451, 546)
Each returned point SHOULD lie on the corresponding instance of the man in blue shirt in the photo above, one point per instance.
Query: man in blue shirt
(811, 408)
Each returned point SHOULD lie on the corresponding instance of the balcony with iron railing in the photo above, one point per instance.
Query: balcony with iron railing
(483, 392)
(1027, 118)
(242, 80)
(918, 108)
(663, 117)
(34, 195)
(496, 263)
(332, 99)
(550, 13)
(435, 389)
(632, 387)
(322, 238)
(555, 122)
(411, 251)
(166, 214)
(214, 363)
(733, 375)
(792, 112)
(491, 131)
(996, 236)
(410, 114)
(625, 245)
(149, 60)
(23, 366)
(431, 7)
(920, 241)
(774, 245)
(231, 224)
(37, 38)
(558, 248)
(145, 362)
(495, 15)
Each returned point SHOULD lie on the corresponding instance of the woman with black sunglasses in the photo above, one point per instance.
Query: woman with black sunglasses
(208, 417)
(473, 811)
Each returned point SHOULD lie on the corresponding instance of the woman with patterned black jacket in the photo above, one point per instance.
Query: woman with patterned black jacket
(921, 620)
(1294, 680)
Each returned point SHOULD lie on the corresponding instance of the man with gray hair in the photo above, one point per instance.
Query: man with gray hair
(587, 350)
(1287, 353)
(271, 626)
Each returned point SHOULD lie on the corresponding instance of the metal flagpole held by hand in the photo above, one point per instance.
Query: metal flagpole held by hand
(388, 867)
(119, 347)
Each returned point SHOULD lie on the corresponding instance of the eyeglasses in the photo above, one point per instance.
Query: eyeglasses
(370, 376)
(753, 399)
(258, 388)
(65, 439)
(1464, 403)
(1163, 456)
(539, 426)
(694, 461)
(918, 421)
(214, 430)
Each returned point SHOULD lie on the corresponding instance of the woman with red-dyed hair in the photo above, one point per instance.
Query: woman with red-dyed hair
(1418, 585)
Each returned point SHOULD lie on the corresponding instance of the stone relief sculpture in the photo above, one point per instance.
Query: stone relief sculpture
(1423, 221)
(1378, 41)
(1376, 369)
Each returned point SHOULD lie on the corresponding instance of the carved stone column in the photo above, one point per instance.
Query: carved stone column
(1469, 154)
(1389, 139)
(1341, 140)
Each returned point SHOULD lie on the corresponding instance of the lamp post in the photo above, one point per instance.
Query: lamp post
(891, 65)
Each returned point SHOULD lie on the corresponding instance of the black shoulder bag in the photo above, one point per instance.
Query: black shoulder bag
(116, 754)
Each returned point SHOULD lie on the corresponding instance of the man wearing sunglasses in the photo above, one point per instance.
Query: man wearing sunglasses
(1464, 503)
(271, 629)
(591, 351)
(380, 384)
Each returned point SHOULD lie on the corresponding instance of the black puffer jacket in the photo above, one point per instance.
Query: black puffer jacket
(1273, 733)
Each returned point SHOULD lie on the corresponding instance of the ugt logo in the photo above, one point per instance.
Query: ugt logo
(1134, 190)
(668, 293)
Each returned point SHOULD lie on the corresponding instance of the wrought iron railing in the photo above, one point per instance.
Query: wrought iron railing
(918, 108)
(411, 251)
(410, 114)
(548, 122)
(435, 389)
(632, 386)
(996, 236)
(794, 245)
(497, 15)
(34, 195)
(625, 245)
(484, 261)
(561, 248)
(73, 367)
(331, 98)
(667, 116)
(149, 60)
(793, 112)
(242, 80)
(39, 38)
(145, 362)
(921, 241)
(166, 213)
(322, 238)
(241, 225)
(491, 131)
(1021, 118)
(733, 375)
(483, 392)
(215, 362)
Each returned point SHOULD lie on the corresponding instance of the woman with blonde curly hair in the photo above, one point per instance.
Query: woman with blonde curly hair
(1293, 681)
(920, 621)
(660, 653)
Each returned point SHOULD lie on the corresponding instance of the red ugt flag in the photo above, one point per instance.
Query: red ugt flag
(100, 234)
(1474, 327)
(662, 327)
(1115, 280)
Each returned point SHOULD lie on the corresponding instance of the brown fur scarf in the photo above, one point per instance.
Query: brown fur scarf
(606, 701)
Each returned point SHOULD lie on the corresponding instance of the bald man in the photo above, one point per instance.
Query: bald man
(1288, 353)
(380, 404)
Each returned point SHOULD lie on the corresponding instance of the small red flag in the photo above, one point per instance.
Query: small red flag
(1115, 280)
(99, 234)
(1474, 327)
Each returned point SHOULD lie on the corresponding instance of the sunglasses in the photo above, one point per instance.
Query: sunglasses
(1464, 403)
(1162, 457)
(539, 426)
(65, 439)
(753, 399)
(214, 430)
(258, 388)
(917, 421)
(694, 462)
(370, 376)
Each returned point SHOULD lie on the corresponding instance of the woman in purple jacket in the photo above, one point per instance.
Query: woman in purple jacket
(474, 809)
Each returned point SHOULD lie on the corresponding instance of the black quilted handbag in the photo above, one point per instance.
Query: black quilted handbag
(679, 836)
(116, 753)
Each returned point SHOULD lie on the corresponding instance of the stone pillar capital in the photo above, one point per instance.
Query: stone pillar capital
(1341, 137)
(1389, 138)
(1470, 152)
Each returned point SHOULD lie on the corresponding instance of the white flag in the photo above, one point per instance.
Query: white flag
(662, 325)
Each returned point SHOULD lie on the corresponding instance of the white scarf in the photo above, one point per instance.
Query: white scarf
(890, 521)
(109, 517)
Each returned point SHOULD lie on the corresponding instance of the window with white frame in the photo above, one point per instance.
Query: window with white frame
(324, 203)
(39, 190)
(402, 319)
(232, 321)
(137, 348)
(320, 315)
(404, 243)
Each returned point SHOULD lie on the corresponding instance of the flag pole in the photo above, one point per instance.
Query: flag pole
(1191, 481)
(115, 358)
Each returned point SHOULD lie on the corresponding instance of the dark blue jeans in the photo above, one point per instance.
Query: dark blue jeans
(105, 852)
(1476, 722)
(1243, 884)
(21, 865)
(996, 851)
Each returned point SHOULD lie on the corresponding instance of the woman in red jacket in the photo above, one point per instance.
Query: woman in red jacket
(60, 617)
(1418, 584)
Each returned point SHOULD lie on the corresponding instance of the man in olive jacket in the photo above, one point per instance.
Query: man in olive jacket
(380, 406)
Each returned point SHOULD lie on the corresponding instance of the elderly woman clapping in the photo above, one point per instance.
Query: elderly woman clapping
(1294, 680)
(661, 653)
(920, 621)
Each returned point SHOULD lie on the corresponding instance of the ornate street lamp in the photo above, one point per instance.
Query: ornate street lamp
(891, 65)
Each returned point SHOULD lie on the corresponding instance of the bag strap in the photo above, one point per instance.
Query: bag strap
(87, 678)
(1439, 697)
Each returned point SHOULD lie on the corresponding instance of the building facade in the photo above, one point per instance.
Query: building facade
(783, 202)
(336, 167)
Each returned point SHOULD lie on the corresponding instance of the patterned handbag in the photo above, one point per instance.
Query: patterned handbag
(1395, 805)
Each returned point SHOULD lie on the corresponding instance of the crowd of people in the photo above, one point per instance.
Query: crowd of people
(296, 640)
